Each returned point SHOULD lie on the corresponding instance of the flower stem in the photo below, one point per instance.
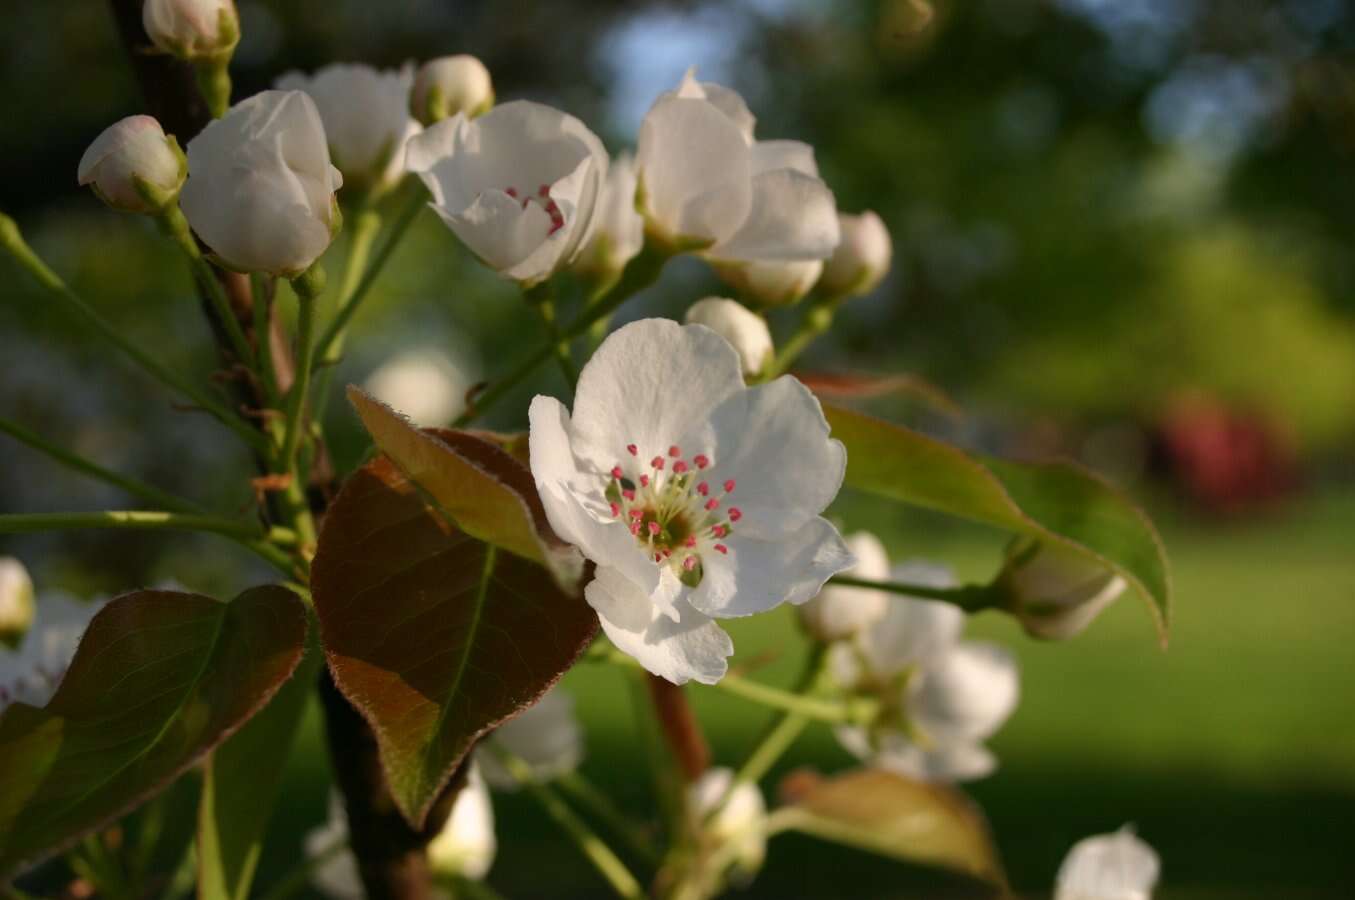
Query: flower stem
(970, 598)
(590, 797)
(817, 320)
(599, 854)
(296, 397)
(562, 354)
(78, 463)
(809, 707)
(11, 240)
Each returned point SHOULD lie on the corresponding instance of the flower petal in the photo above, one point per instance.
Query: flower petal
(693, 648)
(965, 695)
(793, 216)
(894, 752)
(913, 630)
(771, 155)
(756, 576)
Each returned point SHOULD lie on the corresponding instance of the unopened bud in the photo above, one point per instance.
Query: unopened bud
(840, 612)
(779, 283)
(740, 824)
(16, 601)
(134, 167)
(466, 845)
(194, 30)
(862, 258)
(744, 329)
(1055, 592)
(450, 85)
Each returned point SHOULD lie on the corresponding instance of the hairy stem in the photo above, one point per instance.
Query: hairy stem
(971, 598)
(680, 727)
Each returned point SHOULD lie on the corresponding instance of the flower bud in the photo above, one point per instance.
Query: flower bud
(745, 330)
(618, 232)
(547, 736)
(426, 386)
(466, 845)
(774, 283)
(450, 85)
(133, 166)
(260, 189)
(1055, 592)
(861, 260)
(741, 822)
(1118, 866)
(16, 601)
(192, 29)
(840, 612)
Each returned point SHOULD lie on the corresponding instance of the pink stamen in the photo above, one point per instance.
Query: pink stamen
(616, 472)
(616, 509)
(721, 548)
(674, 452)
(628, 494)
(702, 460)
(703, 489)
(735, 514)
(719, 531)
(657, 462)
(635, 528)
(729, 486)
(679, 467)
(512, 192)
(689, 563)
(654, 528)
(632, 449)
(544, 190)
(644, 481)
(712, 503)
(691, 540)
(637, 514)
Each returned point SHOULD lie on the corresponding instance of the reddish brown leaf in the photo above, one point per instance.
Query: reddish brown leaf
(851, 386)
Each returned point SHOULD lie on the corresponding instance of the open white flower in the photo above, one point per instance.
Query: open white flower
(192, 29)
(1056, 592)
(16, 601)
(941, 697)
(465, 846)
(449, 85)
(1116, 866)
(744, 329)
(861, 261)
(33, 673)
(741, 826)
(618, 231)
(425, 385)
(840, 612)
(130, 149)
(519, 185)
(547, 737)
(706, 184)
(696, 496)
(260, 188)
(366, 115)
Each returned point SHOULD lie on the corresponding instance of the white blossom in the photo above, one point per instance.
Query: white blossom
(1056, 592)
(465, 846)
(862, 259)
(33, 672)
(618, 231)
(519, 185)
(696, 496)
(425, 385)
(366, 116)
(1116, 866)
(192, 29)
(774, 283)
(745, 330)
(16, 601)
(547, 736)
(740, 826)
(839, 612)
(942, 697)
(706, 184)
(449, 85)
(130, 149)
(260, 190)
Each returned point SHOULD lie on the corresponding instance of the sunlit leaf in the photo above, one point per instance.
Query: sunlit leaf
(160, 678)
(891, 815)
(1058, 501)
(434, 636)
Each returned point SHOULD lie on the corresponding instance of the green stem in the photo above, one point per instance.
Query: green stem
(590, 797)
(642, 272)
(12, 241)
(263, 334)
(78, 463)
(599, 854)
(971, 598)
(817, 320)
(546, 306)
(296, 397)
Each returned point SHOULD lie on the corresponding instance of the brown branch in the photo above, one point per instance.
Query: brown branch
(680, 727)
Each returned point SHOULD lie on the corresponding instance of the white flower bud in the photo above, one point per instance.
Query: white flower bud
(775, 283)
(744, 329)
(547, 737)
(16, 601)
(450, 85)
(740, 824)
(133, 166)
(466, 844)
(366, 116)
(424, 385)
(1056, 592)
(840, 612)
(192, 29)
(618, 231)
(861, 260)
(260, 189)
(1118, 866)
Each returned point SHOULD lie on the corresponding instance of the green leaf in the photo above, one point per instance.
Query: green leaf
(891, 815)
(477, 484)
(160, 678)
(240, 786)
(1059, 502)
(433, 636)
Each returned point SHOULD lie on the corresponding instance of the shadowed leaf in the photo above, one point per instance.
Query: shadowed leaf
(1059, 501)
(159, 679)
(434, 636)
(849, 386)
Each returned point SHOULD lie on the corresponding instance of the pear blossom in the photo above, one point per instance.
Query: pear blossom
(131, 150)
(745, 330)
(839, 612)
(519, 185)
(366, 116)
(1116, 866)
(260, 189)
(465, 846)
(777, 283)
(547, 736)
(33, 673)
(192, 29)
(1056, 592)
(618, 232)
(861, 260)
(706, 184)
(424, 385)
(942, 697)
(16, 600)
(740, 825)
(449, 85)
(697, 497)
